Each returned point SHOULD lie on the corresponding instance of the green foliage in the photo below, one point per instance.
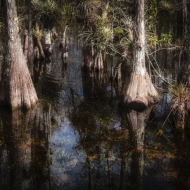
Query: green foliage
(45, 8)
(158, 18)
(37, 32)
(66, 11)
(65, 14)
(152, 12)
(99, 22)
(166, 5)
(166, 38)
(153, 40)
(106, 33)
(118, 31)
(179, 92)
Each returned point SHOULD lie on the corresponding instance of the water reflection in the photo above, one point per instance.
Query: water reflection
(136, 123)
(77, 138)
(95, 84)
(18, 151)
(91, 149)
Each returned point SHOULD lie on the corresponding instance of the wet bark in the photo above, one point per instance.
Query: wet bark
(17, 89)
(98, 61)
(41, 51)
(47, 46)
(140, 92)
(54, 35)
(87, 54)
(117, 72)
(63, 45)
(38, 44)
(93, 59)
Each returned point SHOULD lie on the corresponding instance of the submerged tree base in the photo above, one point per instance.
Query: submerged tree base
(140, 92)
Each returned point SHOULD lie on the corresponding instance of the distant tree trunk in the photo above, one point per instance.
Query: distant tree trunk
(30, 37)
(185, 17)
(188, 30)
(38, 43)
(98, 61)
(26, 44)
(17, 88)
(88, 55)
(140, 90)
(93, 59)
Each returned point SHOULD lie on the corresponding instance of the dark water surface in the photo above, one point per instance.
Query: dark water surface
(78, 138)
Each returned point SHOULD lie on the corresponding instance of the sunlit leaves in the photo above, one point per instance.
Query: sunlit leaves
(179, 92)
(45, 8)
(165, 4)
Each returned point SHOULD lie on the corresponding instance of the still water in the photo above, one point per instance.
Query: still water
(77, 137)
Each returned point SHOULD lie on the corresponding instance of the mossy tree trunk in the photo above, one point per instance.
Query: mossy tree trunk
(140, 90)
(17, 88)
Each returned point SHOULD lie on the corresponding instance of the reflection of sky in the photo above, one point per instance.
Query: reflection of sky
(69, 160)
(164, 105)
(65, 160)
(74, 77)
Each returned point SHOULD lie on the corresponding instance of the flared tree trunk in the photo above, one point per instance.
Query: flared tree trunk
(140, 90)
(17, 88)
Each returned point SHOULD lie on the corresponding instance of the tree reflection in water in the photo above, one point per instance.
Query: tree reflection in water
(26, 150)
(77, 138)
(114, 155)
(114, 150)
(89, 145)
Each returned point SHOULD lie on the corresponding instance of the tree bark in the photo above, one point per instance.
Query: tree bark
(188, 30)
(17, 88)
(39, 44)
(26, 43)
(93, 59)
(140, 92)
(30, 37)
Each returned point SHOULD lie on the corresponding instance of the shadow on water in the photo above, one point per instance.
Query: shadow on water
(78, 138)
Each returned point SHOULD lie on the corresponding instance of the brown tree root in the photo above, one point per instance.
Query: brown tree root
(140, 92)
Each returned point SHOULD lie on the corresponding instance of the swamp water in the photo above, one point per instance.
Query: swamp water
(78, 138)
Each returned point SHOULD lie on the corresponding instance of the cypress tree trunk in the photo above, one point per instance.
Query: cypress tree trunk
(140, 90)
(17, 88)
(188, 30)
(26, 43)
(30, 37)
